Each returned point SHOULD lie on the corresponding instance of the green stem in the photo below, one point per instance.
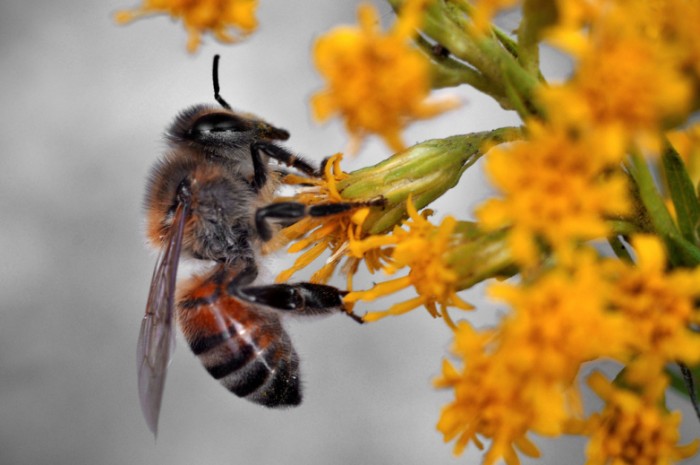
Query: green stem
(493, 55)
(424, 171)
(513, 76)
(481, 258)
(681, 252)
(623, 227)
(449, 72)
(528, 38)
(538, 15)
(653, 202)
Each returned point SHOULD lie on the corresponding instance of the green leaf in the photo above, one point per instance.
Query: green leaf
(682, 193)
(682, 252)
(684, 380)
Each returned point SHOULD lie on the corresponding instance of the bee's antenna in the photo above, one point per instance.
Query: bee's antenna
(215, 79)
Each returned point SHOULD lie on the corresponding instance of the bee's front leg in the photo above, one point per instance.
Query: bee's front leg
(292, 212)
(280, 154)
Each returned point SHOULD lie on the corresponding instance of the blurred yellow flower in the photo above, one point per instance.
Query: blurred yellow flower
(631, 77)
(632, 429)
(556, 186)
(659, 305)
(521, 376)
(377, 81)
(624, 88)
(227, 20)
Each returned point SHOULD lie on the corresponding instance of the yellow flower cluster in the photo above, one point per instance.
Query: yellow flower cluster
(430, 274)
(630, 80)
(555, 188)
(633, 429)
(314, 236)
(227, 20)
(579, 175)
(521, 377)
(378, 82)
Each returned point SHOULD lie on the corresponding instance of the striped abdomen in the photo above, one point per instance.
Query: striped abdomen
(244, 347)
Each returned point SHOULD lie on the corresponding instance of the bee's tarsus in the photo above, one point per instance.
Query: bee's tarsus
(298, 298)
(322, 168)
(354, 316)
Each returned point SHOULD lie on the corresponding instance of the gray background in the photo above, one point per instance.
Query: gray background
(84, 104)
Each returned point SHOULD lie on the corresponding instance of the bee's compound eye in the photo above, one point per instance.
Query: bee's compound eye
(219, 122)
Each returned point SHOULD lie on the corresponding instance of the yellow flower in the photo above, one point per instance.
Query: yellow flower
(227, 20)
(521, 376)
(422, 247)
(316, 235)
(488, 401)
(556, 186)
(376, 81)
(561, 319)
(632, 429)
(680, 20)
(629, 79)
(624, 89)
(659, 305)
(424, 172)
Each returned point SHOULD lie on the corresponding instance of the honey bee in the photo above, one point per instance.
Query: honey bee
(209, 199)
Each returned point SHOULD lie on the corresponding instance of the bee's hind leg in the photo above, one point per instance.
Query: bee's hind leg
(298, 298)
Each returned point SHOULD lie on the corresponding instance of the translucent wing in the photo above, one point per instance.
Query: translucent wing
(157, 338)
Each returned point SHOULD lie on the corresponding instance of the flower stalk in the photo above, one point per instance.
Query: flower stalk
(490, 54)
(425, 172)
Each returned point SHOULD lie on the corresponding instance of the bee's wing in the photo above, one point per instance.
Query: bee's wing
(157, 338)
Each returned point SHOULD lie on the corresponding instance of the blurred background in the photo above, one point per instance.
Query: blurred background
(84, 105)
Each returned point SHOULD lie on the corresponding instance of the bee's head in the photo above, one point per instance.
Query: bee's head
(220, 131)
